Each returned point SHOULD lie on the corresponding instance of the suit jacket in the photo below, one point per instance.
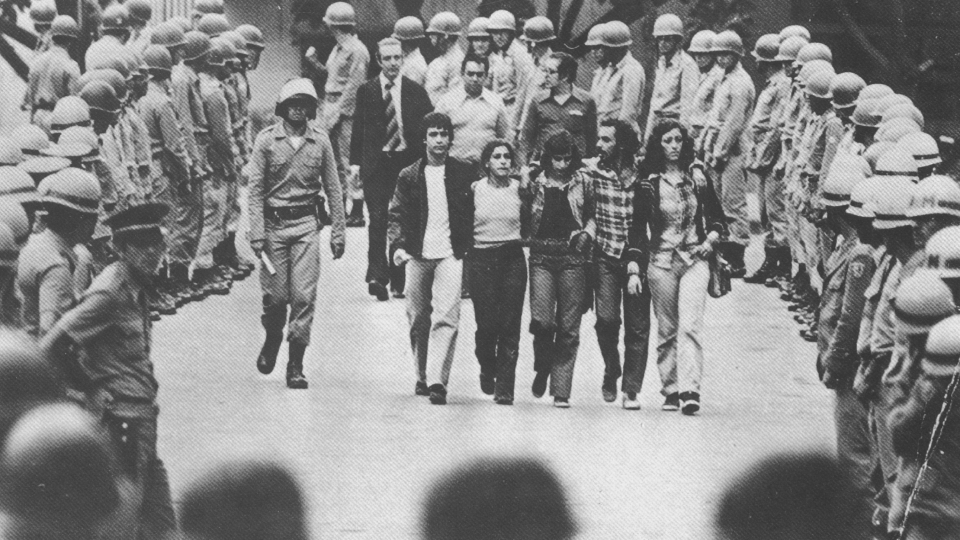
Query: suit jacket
(370, 125)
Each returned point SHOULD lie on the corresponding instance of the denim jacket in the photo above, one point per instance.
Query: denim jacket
(579, 194)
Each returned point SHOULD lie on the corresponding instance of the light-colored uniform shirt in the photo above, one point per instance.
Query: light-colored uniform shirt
(221, 149)
(443, 73)
(476, 121)
(764, 129)
(346, 71)
(674, 87)
(185, 85)
(703, 99)
(731, 111)
(166, 134)
(414, 67)
(45, 281)
(436, 236)
(618, 91)
(53, 75)
(496, 216)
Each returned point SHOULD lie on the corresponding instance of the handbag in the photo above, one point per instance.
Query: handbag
(719, 284)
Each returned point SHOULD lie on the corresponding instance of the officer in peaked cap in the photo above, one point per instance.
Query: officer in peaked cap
(111, 325)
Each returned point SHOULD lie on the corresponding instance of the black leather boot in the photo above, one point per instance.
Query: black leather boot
(767, 269)
(267, 359)
(734, 255)
(295, 378)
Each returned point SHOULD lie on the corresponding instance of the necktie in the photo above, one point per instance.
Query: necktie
(393, 125)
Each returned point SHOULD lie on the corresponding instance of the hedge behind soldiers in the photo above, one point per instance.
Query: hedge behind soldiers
(292, 161)
(111, 324)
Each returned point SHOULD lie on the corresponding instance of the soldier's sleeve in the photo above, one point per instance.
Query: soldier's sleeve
(527, 133)
(689, 82)
(741, 102)
(525, 71)
(503, 123)
(841, 356)
(833, 135)
(55, 295)
(172, 134)
(181, 103)
(812, 168)
(259, 161)
(331, 185)
(434, 82)
(221, 136)
(71, 77)
(631, 105)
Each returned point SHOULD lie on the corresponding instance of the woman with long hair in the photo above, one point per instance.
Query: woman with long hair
(498, 270)
(560, 233)
(685, 221)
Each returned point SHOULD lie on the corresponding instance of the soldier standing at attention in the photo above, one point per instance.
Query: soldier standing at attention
(710, 74)
(511, 67)
(42, 14)
(140, 14)
(409, 30)
(114, 31)
(111, 324)
(617, 87)
(292, 162)
(677, 76)
(53, 74)
(346, 70)
(443, 73)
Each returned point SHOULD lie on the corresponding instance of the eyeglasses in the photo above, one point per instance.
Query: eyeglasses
(562, 158)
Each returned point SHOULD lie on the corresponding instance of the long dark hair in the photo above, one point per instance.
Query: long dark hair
(655, 161)
(559, 144)
(488, 151)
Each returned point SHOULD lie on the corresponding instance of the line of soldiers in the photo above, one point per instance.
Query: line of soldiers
(160, 114)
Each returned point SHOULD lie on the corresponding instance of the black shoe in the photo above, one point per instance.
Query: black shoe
(503, 400)
(609, 388)
(766, 269)
(671, 403)
(689, 403)
(267, 359)
(487, 384)
(356, 221)
(540, 384)
(379, 290)
(438, 394)
(397, 294)
(295, 378)
(421, 389)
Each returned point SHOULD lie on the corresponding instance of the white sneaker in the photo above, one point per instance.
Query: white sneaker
(631, 404)
(561, 403)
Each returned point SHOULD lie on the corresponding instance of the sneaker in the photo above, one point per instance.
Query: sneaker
(421, 389)
(487, 384)
(397, 294)
(689, 403)
(438, 394)
(630, 401)
(671, 403)
(609, 389)
(540, 384)
(561, 403)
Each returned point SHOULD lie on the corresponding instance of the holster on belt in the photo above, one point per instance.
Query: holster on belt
(320, 203)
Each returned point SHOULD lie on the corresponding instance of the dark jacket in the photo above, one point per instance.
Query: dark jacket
(646, 214)
(370, 125)
(408, 209)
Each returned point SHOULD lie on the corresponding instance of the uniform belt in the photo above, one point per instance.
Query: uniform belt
(289, 213)
(43, 105)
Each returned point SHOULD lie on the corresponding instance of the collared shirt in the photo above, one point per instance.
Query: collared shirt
(613, 195)
(476, 121)
(436, 234)
(703, 97)
(510, 72)
(414, 67)
(222, 144)
(166, 132)
(443, 73)
(674, 87)
(112, 324)
(45, 281)
(678, 227)
(346, 71)
(53, 75)
(281, 175)
(185, 86)
(545, 117)
(764, 127)
(618, 91)
(731, 111)
(395, 97)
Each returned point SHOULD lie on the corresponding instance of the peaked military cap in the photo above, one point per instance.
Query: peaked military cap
(139, 218)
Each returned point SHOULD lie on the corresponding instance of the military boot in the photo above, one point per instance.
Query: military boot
(767, 269)
(295, 378)
(267, 359)
(734, 256)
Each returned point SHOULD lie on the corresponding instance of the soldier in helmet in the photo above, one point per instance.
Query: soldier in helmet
(409, 30)
(42, 13)
(618, 83)
(710, 74)
(204, 7)
(727, 141)
(111, 326)
(70, 111)
(677, 76)
(443, 73)
(292, 162)
(346, 69)
(925, 151)
(53, 73)
(255, 44)
(511, 66)
(478, 40)
(141, 11)
(115, 32)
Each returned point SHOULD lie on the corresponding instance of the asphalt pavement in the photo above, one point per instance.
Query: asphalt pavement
(365, 449)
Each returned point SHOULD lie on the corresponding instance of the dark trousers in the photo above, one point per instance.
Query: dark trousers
(378, 191)
(856, 453)
(499, 280)
(611, 293)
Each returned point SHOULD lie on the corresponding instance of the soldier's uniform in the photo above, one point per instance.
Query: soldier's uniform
(410, 29)
(675, 85)
(510, 70)
(53, 75)
(443, 72)
(171, 166)
(618, 89)
(346, 71)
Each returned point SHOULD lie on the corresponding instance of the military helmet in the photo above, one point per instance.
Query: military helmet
(874, 92)
(10, 152)
(182, 22)
(942, 348)
(13, 214)
(253, 36)
(874, 151)
(116, 59)
(42, 13)
(110, 76)
(844, 175)
(237, 41)
(140, 10)
(197, 45)
(79, 141)
(668, 24)
(43, 166)
(794, 30)
(213, 24)
(593, 36)
(73, 188)
(616, 34)
(943, 252)
(445, 23)
(478, 27)
(538, 29)
(892, 202)
(789, 48)
(16, 185)
(888, 101)
(220, 52)
(9, 250)
(936, 195)
(115, 17)
(167, 34)
(818, 84)
(846, 88)
(895, 163)
(202, 7)
(340, 14)
(296, 89)
(814, 51)
(32, 139)
(65, 26)
(895, 129)
(502, 20)
(408, 29)
(812, 67)
(767, 48)
(158, 58)
(921, 301)
(904, 110)
(923, 147)
(100, 96)
(69, 111)
(702, 41)
(863, 113)
(727, 41)
(863, 197)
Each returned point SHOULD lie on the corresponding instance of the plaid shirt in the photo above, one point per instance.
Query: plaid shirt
(614, 206)
(677, 226)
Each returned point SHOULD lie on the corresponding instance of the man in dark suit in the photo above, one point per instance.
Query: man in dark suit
(386, 139)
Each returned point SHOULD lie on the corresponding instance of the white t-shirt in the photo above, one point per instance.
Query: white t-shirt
(436, 238)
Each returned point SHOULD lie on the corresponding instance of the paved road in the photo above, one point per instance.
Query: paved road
(365, 449)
